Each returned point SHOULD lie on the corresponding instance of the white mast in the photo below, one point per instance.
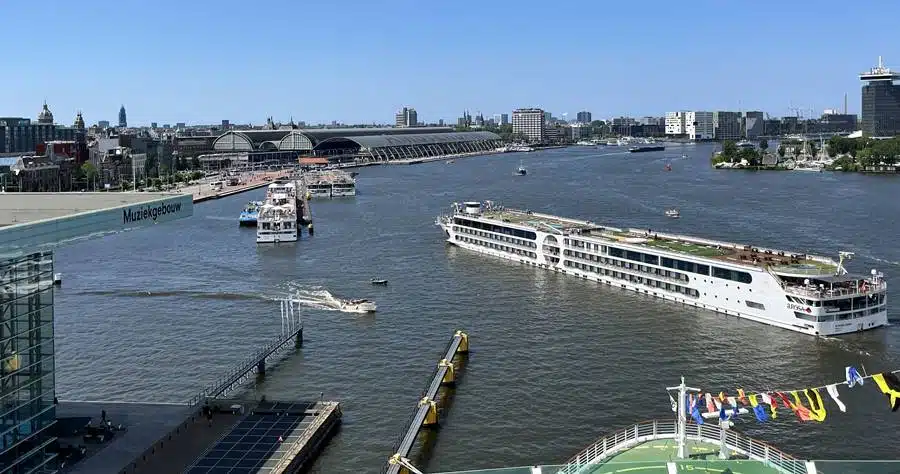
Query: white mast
(681, 430)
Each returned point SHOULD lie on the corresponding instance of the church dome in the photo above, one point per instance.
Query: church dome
(45, 116)
(79, 121)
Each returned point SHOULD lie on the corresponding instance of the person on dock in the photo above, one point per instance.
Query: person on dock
(207, 412)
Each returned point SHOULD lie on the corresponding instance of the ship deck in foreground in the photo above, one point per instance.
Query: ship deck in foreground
(797, 291)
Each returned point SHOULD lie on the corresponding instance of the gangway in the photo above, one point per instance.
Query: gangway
(291, 330)
(426, 412)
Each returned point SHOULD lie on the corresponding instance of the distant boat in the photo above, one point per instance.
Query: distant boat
(449, 162)
(521, 170)
(668, 167)
(673, 213)
(376, 281)
(683, 156)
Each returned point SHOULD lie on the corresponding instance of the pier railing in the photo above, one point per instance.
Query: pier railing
(291, 328)
(610, 445)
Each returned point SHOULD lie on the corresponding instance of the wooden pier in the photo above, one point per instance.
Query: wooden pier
(426, 413)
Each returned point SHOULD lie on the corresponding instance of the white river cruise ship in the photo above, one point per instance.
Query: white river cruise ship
(278, 218)
(805, 293)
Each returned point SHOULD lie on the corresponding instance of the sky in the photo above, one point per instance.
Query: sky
(359, 61)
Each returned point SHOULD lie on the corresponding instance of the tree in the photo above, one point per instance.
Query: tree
(831, 150)
(764, 145)
(729, 149)
(781, 151)
(150, 165)
(90, 173)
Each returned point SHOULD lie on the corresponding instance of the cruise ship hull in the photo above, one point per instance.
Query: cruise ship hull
(762, 300)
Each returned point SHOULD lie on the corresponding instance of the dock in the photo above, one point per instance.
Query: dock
(238, 436)
(426, 412)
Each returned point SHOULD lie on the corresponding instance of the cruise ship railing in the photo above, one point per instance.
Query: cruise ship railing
(622, 440)
(816, 293)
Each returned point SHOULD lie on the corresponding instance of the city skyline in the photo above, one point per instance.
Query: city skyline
(449, 58)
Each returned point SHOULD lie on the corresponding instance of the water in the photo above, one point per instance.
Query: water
(556, 362)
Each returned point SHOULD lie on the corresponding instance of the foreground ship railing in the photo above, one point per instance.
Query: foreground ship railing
(668, 429)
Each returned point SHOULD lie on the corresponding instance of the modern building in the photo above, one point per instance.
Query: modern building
(880, 102)
(583, 117)
(504, 119)
(727, 125)
(406, 117)
(675, 123)
(123, 119)
(529, 123)
(699, 125)
(754, 124)
(30, 226)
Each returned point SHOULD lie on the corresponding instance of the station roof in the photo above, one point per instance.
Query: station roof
(306, 138)
(382, 141)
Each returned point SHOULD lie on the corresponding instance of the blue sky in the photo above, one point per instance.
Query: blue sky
(358, 61)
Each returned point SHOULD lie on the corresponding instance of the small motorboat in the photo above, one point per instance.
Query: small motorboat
(250, 214)
(377, 281)
(57, 279)
(668, 167)
(521, 170)
(673, 213)
(683, 156)
(358, 306)
(449, 162)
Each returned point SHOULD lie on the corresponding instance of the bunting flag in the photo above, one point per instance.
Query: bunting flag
(813, 409)
(890, 386)
(832, 390)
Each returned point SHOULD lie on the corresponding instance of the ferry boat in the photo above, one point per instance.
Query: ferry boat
(278, 218)
(329, 184)
(673, 213)
(249, 214)
(522, 148)
(796, 291)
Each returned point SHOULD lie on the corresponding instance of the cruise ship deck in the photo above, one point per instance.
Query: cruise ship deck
(654, 457)
(730, 252)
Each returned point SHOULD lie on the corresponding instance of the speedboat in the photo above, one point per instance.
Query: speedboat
(521, 170)
(376, 281)
(358, 306)
(673, 213)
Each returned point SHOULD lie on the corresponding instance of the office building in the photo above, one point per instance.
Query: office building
(699, 125)
(123, 120)
(880, 102)
(675, 123)
(754, 125)
(22, 135)
(529, 122)
(406, 117)
(727, 125)
(504, 119)
(583, 117)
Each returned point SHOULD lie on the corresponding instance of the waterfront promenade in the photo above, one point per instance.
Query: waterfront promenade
(250, 180)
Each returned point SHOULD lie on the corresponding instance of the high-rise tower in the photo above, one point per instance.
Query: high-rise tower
(880, 102)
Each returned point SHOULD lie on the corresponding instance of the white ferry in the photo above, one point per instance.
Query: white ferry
(278, 218)
(329, 184)
(804, 293)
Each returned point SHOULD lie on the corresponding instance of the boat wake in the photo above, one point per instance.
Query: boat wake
(317, 297)
(214, 295)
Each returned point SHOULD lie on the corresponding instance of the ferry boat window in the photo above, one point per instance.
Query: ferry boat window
(733, 275)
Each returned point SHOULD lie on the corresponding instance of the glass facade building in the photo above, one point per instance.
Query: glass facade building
(27, 386)
(881, 109)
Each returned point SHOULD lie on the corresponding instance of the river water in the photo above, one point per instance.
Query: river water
(556, 362)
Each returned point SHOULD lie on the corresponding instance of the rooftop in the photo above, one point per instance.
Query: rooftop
(20, 208)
